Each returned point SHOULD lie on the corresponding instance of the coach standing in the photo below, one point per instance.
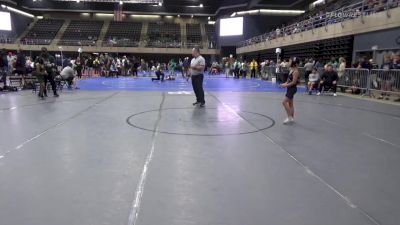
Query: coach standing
(197, 66)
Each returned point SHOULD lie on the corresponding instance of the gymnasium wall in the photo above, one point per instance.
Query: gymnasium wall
(388, 42)
(384, 39)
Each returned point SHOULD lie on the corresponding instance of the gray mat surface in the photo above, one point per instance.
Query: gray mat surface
(115, 158)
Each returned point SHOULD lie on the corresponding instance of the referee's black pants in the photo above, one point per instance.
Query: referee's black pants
(50, 78)
(197, 83)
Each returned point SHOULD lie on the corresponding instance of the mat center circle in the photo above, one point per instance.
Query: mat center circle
(201, 121)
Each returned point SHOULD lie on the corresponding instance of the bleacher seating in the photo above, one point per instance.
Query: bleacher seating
(43, 32)
(210, 31)
(193, 35)
(123, 34)
(164, 35)
(81, 33)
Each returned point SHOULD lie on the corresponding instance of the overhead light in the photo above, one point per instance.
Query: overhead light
(179, 16)
(160, 4)
(77, 1)
(211, 22)
(201, 6)
(281, 12)
(317, 2)
(39, 17)
(209, 18)
(121, 2)
(169, 17)
(115, 1)
(269, 12)
(145, 16)
(3, 6)
(104, 14)
(18, 11)
(192, 16)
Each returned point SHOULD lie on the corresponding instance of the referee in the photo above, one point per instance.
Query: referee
(197, 66)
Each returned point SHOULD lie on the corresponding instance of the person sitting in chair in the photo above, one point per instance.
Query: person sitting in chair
(329, 79)
(313, 78)
(68, 75)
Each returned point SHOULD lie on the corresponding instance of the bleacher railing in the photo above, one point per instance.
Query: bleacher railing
(350, 12)
(387, 81)
(355, 78)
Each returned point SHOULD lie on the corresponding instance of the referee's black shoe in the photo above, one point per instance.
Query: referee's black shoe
(196, 103)
(202, 104)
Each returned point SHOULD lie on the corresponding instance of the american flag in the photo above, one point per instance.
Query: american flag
(118, 12)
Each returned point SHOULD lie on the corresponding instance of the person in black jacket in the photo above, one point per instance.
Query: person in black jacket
(49, 63)
(89, 66)
(329, 79)
(3, 67)
(20, 64)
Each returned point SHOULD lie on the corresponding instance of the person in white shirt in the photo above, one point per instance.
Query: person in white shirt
(313, 79)
(197, 67)
(68, 74)
(10, 60)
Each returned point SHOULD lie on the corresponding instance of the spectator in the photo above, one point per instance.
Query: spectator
(264, 69)
(186, 66)
(227, 68)
(374, 64)
(113, 69)
(308, 67)
(20, 63)
(334, 63)
(78, 68)
(236, 68)
(313, 80)
(244, 69)
(342, 67)
(135, 68)
(396, 61)
(386, 77)
(89, 66)
(329, 79)
(172, 68)
(253, 68)
(10, 60)
(160, 75)
(96, 65)
(342, 70)
(68, 75)
(3, 67)
(320, 67)
(278, 32)
(396, 66)
(364, 64)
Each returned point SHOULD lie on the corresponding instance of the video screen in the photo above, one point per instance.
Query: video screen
(231, 26)
(5, 21)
